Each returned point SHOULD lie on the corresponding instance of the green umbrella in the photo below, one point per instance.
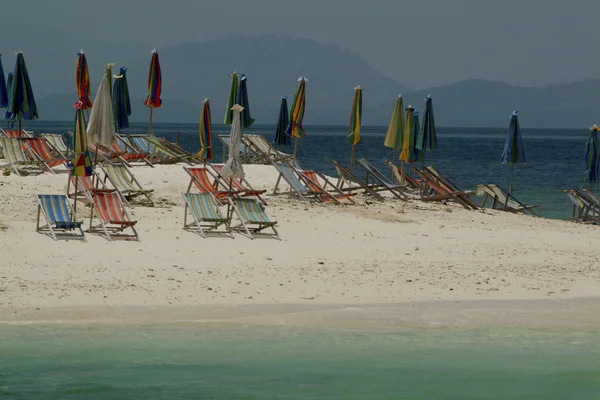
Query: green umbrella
(355, 122)
(233, 97)
(395, 133)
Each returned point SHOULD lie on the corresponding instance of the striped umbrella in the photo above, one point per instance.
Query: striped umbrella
(395, 133)
(120, 100)
(82, 81)
(355, 122)
(592, 157)
(233, 97)
(21, 103)
(280, 138)
(513, 152)
(408, 148)
(206, 151)
(295, 128)
(81, 161)
(154, 87)
(3, 92)
(242, 100)
(427, 139)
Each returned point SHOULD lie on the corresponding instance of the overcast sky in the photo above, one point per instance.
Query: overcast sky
(419, 42)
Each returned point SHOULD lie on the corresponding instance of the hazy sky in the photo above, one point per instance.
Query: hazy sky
(419, 42)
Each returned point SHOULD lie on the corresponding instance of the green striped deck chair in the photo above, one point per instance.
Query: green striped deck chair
(266, 150)
(155, 155)
(124, 181)
(173, 151)
(502, 200)
(59, 217)
(14, 151)
(253, 219)
(114, 219)
(57, 142)
(205, 214)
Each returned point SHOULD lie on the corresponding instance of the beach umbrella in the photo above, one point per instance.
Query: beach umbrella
(154, 87)
(120, 100)
(245, 118)
(395, 133)
(82, 82)
(233, 167)
(408, 150)
(427, 138)
(7, 114)
(513, 152)
(280, 138)
(109, 76)
(206, 151)
(417, 154)
(3, 92)
(295, 128)
(101, 126)
(21, 103)
(233, 97)
(355, 122)
(81, 161)
(592, 157)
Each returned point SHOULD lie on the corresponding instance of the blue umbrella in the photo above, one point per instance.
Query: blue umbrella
(21, 103)
(427, 139)
(3, 94)
(513, 152)
(592, 154)
(7, 114)
(242, 100)
(280, 138)
(120, 100)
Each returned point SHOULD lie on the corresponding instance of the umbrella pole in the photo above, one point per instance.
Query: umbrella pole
(402, 173)
(20, 122)
(512, 178)
(95, 166)
(150, 123)
(295, 148)
(352, 158)
(75, 204)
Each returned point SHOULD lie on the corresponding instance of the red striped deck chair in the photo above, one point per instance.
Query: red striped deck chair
(14, 133)
(130, 153)
(86, 184)
(319, 183)
(206, 183)
(41, 149)
(205, 214)
(109, 156)
(113, 216)
(436, 190)
(240, 185)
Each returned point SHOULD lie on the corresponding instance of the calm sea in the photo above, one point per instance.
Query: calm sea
(469, 156)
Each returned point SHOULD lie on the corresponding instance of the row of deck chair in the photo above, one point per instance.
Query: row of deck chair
(215, 191)
(31, 155)
(255, 149)
(586, 205)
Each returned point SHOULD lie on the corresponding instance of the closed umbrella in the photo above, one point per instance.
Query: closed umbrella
(3, 92)
(295, 129)
(280, 138)
(154, 87)
(82, 82)
(101, 126)
(427, 139)
(233, 168)
(120, 100)
(233, 97)
(245, 118)
(355, 122)
(395, 133)
(82, 163)
(408, 151)
(7, 114)
(21, 103)
(416, 126)
(206, 151)
(513, 152)
(592, 154)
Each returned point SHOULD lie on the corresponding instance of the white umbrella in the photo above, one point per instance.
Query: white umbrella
(233, 168)
(101, 125)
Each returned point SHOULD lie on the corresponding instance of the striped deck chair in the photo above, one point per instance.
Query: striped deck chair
(15, 151)
(411, 183)
(155, 154)
(83, 184)
(206, 215)
(502, 200)
(246, 154)
(297, 186)
(42, 150)
(435, 190)
(206, 182)
(130, 153)
(57, 143)
(239, 185)
(124, 181)
(373, 174)
(585, 209)
(14, 133)
(348, 182)
(319, 183)
(113, 216)
(265, 150)
(253, 219)
(465, 195)
(59, 217)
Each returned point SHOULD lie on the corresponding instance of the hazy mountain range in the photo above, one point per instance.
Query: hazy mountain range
(194, 71)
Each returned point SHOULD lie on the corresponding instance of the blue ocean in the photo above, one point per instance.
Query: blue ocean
(469, 156)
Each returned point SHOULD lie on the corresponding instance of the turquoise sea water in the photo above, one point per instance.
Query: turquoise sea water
(199, 362)
(469, 156)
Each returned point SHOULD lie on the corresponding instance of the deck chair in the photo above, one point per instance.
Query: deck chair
(502, 200)
(154, 154)
(375, 176)
(247, 155)
(319, 183)
(435, 190)
(57, 143)
(239, 185)
(16, 152)
(446, 182)
(584, 209)
(59, 217)
(113, 216)
(349, 182)
(130, 153)
(83, 184)
(205, 214)
(295, 183)
(264, 150)
(206, 182)
(44, 154)
(14, 133)
(411, 182)
(124, 181)
(176, 150)
(253, 219)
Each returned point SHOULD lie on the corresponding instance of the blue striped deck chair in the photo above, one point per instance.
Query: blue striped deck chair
(155, 155)
(16, 152)
(205, 214)
(124, 181)
(59, 216)
(253, 219)
(290, 176)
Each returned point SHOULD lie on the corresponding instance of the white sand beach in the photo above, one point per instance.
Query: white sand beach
(331, 257)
